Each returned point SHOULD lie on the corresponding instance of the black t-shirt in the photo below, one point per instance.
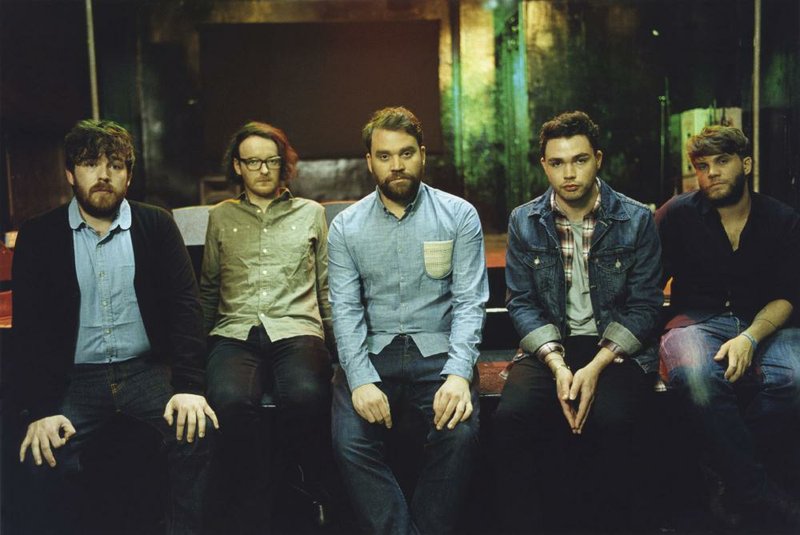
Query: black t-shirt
(709, 277)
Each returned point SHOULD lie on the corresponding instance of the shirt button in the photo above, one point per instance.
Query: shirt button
(235, 229)
(105, 303)
(101, 274)
(264, 293)
(108, 331)
(265, 230)
(264, 251)
(263, 271)
(258, 210)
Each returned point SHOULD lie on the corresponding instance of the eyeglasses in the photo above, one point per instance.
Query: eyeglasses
(254, 164)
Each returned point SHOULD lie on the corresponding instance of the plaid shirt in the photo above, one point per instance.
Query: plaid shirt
(567, 254)
(568, 240)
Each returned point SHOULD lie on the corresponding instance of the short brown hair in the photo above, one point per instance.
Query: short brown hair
(718, 139)
(394, 118)
(568, 124)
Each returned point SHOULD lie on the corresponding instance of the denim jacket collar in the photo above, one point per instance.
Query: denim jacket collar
(610, 205)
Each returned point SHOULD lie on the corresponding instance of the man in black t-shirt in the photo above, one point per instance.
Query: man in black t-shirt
(730, 341)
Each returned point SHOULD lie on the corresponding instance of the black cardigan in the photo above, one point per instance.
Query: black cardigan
(46, 303)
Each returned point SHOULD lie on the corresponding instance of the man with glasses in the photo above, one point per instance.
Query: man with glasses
(264, 292)
(107, 320)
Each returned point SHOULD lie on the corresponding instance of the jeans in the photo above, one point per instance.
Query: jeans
(410, 382)
(297, 371)
(139, 389)
(730, 426)
(543, 470)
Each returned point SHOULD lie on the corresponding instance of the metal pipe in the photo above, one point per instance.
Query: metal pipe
(756, 94)
(455, 54)
(92, 60)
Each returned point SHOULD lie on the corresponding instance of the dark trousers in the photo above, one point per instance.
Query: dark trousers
(550, 479)
(297, 371)
(141, 390)
(410, 382)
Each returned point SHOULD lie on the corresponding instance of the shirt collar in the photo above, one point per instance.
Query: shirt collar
(122, 219)
(283, 194)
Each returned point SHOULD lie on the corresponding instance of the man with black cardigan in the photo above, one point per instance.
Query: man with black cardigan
(106, 320)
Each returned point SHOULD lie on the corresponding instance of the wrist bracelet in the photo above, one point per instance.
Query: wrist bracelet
(750, 337)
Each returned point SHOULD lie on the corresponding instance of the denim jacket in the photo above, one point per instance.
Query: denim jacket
(624, 275)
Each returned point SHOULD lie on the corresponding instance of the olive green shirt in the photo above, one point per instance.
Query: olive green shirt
(266, 266)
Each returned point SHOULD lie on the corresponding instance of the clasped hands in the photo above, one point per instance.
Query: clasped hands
(187, 411)
(452, 403)
(576, 391)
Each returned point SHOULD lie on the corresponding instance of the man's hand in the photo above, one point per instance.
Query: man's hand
(453, 402)
(372, 404)
(563, 377)
(43, 436)
(583, 389)
(739, 351)
(192, 411)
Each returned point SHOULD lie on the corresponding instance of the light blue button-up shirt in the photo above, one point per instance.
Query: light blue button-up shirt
(111, 327)
(423, 275)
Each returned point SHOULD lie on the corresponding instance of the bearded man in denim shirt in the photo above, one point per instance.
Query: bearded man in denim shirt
(408, 288)
(582, 271)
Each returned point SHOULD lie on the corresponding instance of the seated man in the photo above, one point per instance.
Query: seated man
(408, 290)
(582, 272)
(106, 320)
(264, 291)
(734, 256)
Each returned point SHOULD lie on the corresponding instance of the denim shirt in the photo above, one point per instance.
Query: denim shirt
(423, 275)
(111, 328)
(624, 275)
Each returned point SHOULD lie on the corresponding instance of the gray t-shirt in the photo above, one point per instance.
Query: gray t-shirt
(580, 316)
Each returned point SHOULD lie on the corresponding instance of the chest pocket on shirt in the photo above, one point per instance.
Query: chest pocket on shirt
(438, 257)
(233, 241)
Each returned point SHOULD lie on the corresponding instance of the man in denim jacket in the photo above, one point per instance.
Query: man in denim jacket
(582, 271)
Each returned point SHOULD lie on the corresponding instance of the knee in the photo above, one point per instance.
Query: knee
(462, 436)
(701, 385)
(230, 402)
(308, 397)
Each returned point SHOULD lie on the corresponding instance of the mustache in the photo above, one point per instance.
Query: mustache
(102, 187)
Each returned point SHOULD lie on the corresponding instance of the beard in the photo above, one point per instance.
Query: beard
(401, 188)
(729, 197)
(101, 200)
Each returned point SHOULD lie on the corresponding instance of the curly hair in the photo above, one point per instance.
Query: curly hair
(90, 139)
(287, 153)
